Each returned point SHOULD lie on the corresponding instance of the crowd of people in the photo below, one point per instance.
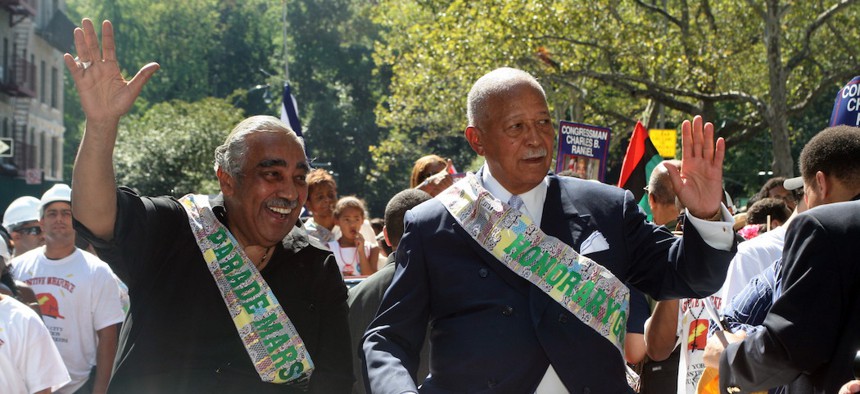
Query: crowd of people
(510, 279)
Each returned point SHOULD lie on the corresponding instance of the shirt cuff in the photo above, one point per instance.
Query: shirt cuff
(718, 235)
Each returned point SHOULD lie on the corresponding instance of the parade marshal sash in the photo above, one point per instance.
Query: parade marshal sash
(275, 348)
(585, 288)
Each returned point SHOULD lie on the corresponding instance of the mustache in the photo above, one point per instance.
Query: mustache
(535, 153)
(282, 203)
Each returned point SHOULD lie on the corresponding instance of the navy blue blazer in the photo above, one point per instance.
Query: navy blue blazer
(811, 334)
(491, 330)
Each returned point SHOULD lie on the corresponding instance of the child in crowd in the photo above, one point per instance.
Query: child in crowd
(355, 256)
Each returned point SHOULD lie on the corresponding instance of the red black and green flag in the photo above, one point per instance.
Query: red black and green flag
(639, 161)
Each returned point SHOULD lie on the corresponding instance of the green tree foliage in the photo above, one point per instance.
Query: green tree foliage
(206, 48)
(749, 67)
(211, 48)
(332, 71)
(169, 149)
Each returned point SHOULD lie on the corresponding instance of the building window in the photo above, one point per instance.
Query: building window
(32, 66)
(43, 148)
(32, 151)
(5, 71)
(56, 148)
(43, 83)
(55, 87)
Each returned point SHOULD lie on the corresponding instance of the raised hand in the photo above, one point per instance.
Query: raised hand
(699, 182)
(105, 94)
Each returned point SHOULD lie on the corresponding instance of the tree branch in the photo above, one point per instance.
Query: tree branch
(811, 29)
(654, 87)
(706, 6)
(823, 85)
(658, 10)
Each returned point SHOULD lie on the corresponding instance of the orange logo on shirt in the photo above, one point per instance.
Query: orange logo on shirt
(698, 338)
(49, 305)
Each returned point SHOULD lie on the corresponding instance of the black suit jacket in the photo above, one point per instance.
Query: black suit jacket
(812, 331)
(492, 330)
(364, 300)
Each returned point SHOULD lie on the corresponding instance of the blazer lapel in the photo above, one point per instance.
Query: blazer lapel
(560, 217)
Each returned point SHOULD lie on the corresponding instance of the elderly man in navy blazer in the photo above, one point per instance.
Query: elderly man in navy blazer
(513, 318)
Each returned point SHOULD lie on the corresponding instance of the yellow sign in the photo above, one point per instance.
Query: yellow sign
(665, 141)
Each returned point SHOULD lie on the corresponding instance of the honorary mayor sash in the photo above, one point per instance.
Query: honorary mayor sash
(275, 348)
(585, 288)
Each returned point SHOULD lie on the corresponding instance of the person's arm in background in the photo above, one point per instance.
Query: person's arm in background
(105, 354)
(634, 341)
(661, 330)
(105, 97)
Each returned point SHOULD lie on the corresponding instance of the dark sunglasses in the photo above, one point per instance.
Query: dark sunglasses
(29, 230)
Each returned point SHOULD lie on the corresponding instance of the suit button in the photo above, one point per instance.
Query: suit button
(507, 310)
(562, 318)
(483, 272)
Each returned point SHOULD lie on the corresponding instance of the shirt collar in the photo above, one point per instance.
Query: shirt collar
(533, 199)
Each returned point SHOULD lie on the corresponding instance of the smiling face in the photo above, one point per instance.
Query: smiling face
(264, 201)
(515, 135)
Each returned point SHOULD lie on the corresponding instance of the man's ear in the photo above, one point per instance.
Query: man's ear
(825, 185)
(473, 136)
(385, 235)
(226, 181)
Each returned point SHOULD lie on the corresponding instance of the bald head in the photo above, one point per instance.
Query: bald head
(497, 82)
(661, 195)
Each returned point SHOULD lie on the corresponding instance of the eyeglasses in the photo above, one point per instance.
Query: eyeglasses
(29, 230)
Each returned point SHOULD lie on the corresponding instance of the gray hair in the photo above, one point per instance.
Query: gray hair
(495, 82)
(660, 185)
(229, 156)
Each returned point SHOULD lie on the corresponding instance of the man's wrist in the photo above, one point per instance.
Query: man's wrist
(717, 217)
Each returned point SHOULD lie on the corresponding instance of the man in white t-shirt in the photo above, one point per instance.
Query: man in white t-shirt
(29, 361)
(77, 294)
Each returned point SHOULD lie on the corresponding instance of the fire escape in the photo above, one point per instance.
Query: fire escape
(18, 79)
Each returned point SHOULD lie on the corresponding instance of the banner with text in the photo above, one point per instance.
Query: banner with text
(582, 148)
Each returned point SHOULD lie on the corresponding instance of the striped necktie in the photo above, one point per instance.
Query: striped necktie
(516, 202)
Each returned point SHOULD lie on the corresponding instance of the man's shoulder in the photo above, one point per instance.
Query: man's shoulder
(836, 218)
(376, 283)
(587, 189)
(431, 210)
(94, 263)
(25, 261)
(834, 212)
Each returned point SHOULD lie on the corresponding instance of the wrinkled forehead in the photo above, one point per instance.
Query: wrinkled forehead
(273, 149)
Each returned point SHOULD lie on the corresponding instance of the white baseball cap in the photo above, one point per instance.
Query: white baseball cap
(793, 183)
(22, 210)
